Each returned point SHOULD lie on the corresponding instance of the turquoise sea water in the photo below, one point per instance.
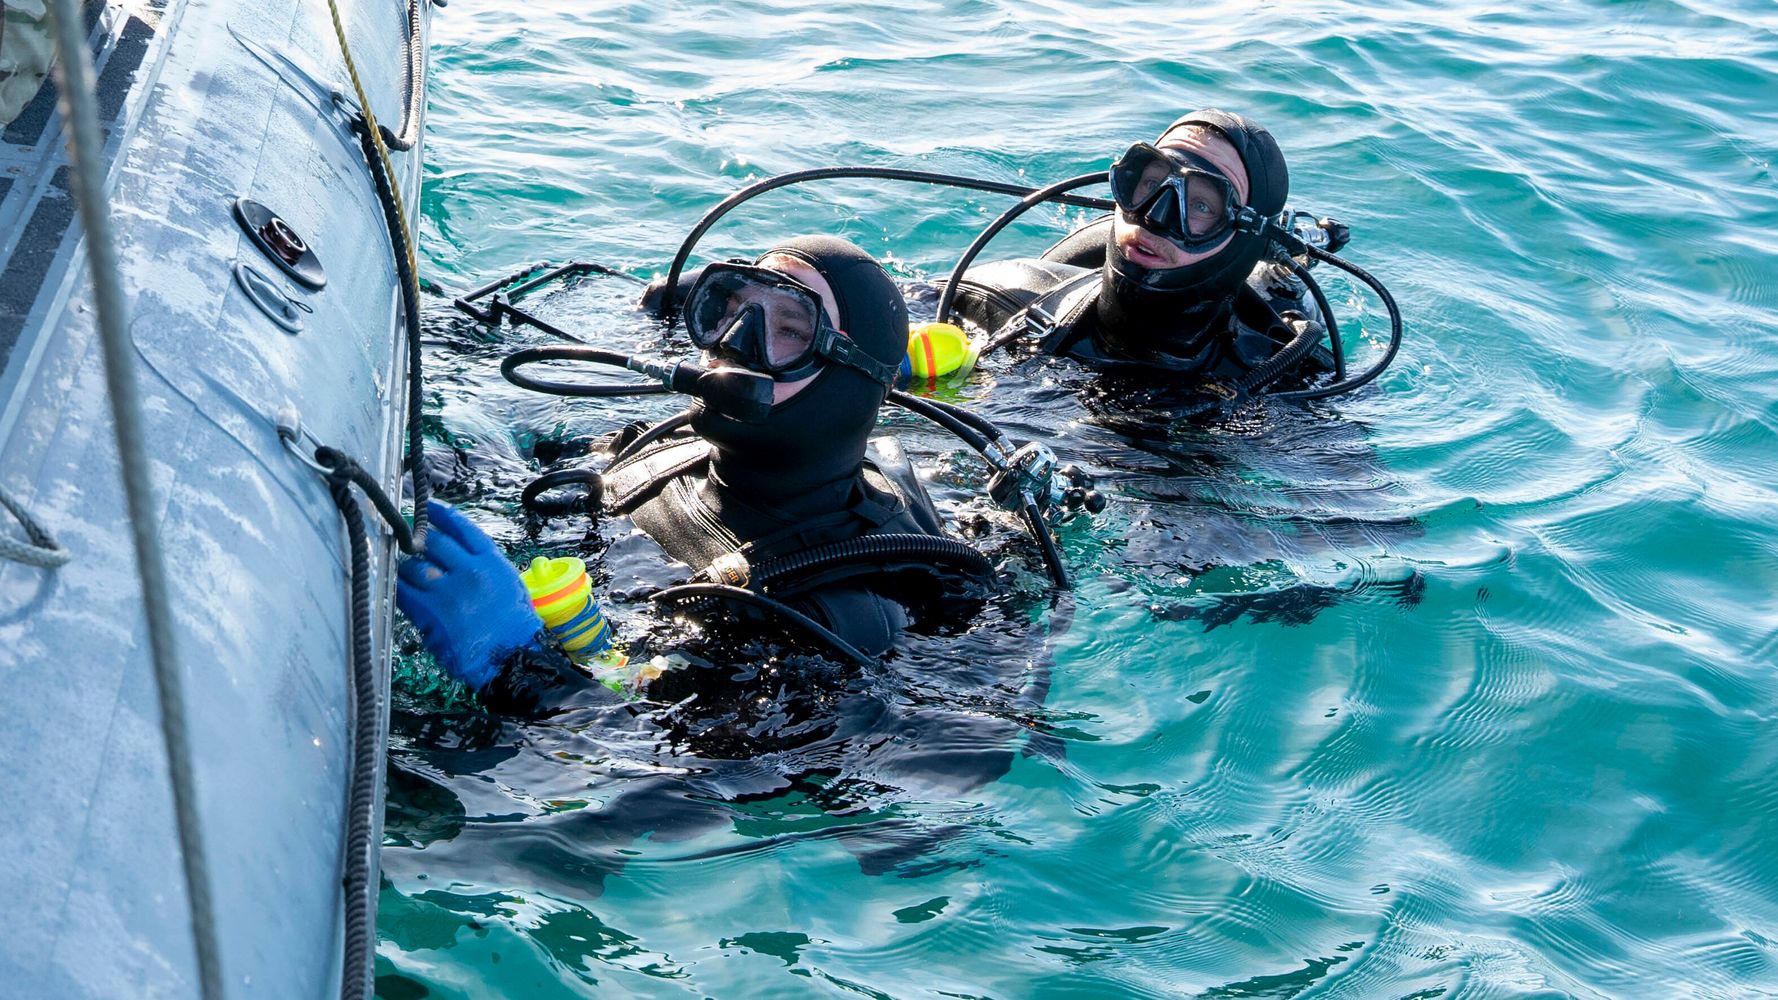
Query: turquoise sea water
(1459, 686)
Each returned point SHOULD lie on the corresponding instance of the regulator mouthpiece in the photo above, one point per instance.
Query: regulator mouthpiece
(739, 393)
(744, 395)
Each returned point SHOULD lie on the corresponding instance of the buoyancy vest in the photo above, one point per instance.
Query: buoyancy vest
(668, 490)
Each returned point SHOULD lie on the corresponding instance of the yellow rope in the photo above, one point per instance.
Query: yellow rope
(376, 137)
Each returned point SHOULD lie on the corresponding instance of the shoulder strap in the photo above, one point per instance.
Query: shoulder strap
(1054, 318)
(878, 498)
(632, 481)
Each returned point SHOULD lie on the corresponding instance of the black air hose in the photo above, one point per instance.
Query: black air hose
(666, 311)
(691, 593)
(875, 549)
(949, 417)
(586, 502)
(1030, 201)
(651, 435)
(590, 482)
(510, 365)
(1287, 357)
(1046, 543)
(1377, 367)
(1327, 316)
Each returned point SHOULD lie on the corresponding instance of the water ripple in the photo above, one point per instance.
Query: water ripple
(1459, 686)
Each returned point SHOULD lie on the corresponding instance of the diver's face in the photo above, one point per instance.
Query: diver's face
(787, 335)
(1150, 250)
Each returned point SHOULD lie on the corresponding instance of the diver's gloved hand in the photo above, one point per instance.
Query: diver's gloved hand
(466, 599)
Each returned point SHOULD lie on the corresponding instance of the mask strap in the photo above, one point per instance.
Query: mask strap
(835, 346)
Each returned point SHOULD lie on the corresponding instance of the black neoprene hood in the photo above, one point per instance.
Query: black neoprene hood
(1178, 310)
(1268, 179)
(817, 437)
(872, 311)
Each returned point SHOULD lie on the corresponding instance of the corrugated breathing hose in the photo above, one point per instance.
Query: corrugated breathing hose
(1306, 336)
(874, 548)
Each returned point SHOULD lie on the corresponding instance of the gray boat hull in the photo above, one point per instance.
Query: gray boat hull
(208, 102)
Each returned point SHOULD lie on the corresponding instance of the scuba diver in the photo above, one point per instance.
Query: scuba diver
(755, 485)
(1180, 281)
(782, 497)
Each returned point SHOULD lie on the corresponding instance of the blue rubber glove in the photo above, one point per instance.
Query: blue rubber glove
(466, 599)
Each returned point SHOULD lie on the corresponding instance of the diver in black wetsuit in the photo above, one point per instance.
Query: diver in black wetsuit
(823, 320)
(1176, 283)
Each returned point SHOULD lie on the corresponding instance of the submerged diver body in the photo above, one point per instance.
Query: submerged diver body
(825, 323)
(1177, 283)
(758, 723)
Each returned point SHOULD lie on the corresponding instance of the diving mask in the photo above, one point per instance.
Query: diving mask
(1176, 195)
(771, 323)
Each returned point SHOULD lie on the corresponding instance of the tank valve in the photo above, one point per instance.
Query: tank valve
(1032, 471)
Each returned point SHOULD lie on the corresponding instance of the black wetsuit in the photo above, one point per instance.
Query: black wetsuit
(802, 476)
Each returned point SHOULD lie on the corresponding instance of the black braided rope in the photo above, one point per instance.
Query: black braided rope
(410, 304)
(346, 470)
(413, 90)
(361, 800)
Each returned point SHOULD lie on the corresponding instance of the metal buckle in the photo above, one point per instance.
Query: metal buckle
(843, 350)
(1039, 321)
